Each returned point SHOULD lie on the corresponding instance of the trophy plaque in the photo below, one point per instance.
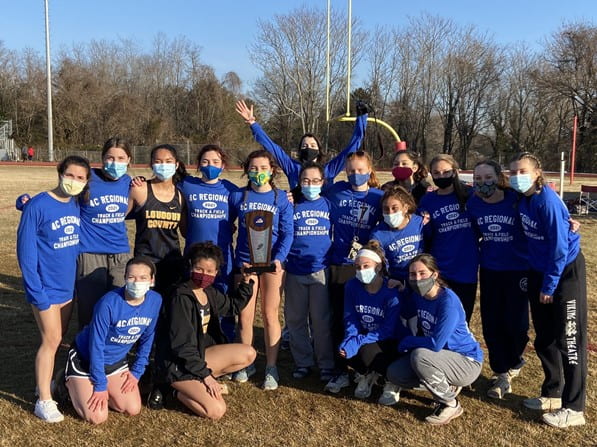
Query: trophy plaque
(259, 234)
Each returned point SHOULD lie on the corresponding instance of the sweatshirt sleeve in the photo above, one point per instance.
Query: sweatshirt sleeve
(285, 230)
(146, 341)
(236, 301)
(389, 328)
(28, 257)
(556, 238)
(336, 164)
(351, 342)
(98, 331)
(288, 165)
(183, 339)
(447, 320)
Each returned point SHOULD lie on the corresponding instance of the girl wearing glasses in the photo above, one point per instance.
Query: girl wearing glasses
(309, 147)
(306, 306)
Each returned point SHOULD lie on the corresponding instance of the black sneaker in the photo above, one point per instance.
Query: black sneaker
(155, 400)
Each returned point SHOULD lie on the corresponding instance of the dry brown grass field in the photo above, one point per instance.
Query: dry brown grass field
(298, 414)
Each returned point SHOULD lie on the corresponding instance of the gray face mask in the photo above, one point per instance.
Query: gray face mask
(422, 286)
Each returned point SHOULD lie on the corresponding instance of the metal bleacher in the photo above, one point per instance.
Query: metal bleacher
(7, 145)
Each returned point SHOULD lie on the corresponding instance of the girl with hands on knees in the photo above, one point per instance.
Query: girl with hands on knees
(192, 351)
(47, 247)
(97, 372)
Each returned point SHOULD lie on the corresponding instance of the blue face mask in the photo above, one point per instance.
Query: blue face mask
(521, 182)
(311, 192)
(366, 275)
(164, 171)
(210, 172)
(358, 179)
(115, 169)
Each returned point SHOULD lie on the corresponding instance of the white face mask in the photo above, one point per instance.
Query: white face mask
(394, 220)
(366, 275)
(137, 289)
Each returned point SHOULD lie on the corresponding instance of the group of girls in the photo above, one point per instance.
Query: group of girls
(386, 309)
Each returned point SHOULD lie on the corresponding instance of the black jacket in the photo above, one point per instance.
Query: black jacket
(180, 341)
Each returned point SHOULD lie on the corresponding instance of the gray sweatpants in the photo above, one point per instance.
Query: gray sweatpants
(440, 372)
(307, 304)
(97, 274)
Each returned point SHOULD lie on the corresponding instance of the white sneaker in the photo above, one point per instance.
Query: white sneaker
(47, 411)
(564, 417)
(543, 403)
(500, 386)
(364, 385)
(443, 413)
(337, 383)
(390, 395)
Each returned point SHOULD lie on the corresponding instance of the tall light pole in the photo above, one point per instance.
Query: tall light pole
(49, 87)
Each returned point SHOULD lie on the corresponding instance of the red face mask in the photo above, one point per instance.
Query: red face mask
(202, 280)
(402, 172)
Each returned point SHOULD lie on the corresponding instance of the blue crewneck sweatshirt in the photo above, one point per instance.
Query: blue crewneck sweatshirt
(115, 327)
(400, 246)
(209, 215)
(48, 240)
(103, 230)
(274, 201)
(312, 237)
(369, 318)
(450, 234)
(353, 213)
(503, 245)
(443, 324)
(292, 168)
(551, 243)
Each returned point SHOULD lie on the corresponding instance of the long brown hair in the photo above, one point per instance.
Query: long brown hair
(421, 173)
(429, 261)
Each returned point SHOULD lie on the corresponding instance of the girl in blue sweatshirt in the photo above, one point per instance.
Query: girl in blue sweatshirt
(355, 210)
(97, 372)
(48, 240)
(261, 194)
(557, 291)
(449, 234)
(309, 147)
(104, 249)
(446, 356)
(401, 232)
(503, 275)
(307, 309)
(158, 211)
(372, 326)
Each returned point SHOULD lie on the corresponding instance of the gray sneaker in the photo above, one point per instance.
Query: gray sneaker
(271, 379)
(500, 386)
(443, 413)
(365, 383)
(543, 403)
(337, 383)
(564, 417)
(243, 375)
(47, 410)
(390, 395)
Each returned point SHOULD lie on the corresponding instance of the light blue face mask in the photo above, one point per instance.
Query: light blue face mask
(210, 172)
(115, 169)
(164, 171)
(521, 182)
(394, 220)
(366, 275)
(137, 289)
(311, 192)
(358, 179)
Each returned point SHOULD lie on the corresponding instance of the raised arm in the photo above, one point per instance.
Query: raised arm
(336, 164)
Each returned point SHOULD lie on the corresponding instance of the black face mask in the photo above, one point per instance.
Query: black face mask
(444, 182)
(308, 154)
